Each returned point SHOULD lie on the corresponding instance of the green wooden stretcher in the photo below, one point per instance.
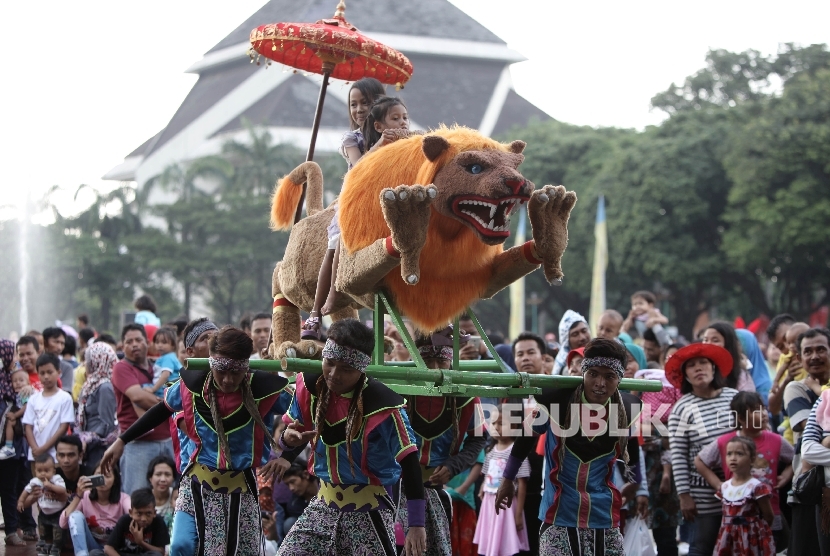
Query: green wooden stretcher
(490, 378)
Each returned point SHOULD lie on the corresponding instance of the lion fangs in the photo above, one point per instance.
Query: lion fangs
(493, 209)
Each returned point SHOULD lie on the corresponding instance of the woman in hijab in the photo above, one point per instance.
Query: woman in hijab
(95, 422)
(636, 355)
(759, 371)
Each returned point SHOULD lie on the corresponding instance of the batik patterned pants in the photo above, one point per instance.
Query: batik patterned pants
(324, 531)
(572, 541)
(438, 519)
(226, 523)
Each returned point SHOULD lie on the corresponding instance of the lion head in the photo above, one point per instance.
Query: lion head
(479, 187)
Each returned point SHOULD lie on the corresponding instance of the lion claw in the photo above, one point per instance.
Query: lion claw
(549, 210)
(407, 211)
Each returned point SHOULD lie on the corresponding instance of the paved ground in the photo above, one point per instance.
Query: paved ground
(29, 550)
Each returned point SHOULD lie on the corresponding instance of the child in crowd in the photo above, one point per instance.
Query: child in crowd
(461, 489)
(139, 532)
(362, 95)
(773, 464)
(609, 325)
(504, 533)
(92, 514)
(146, 307)
(13, 426)
(49, 412)
(46, 488)
(747, 511)
(167, 366)
(644, 316)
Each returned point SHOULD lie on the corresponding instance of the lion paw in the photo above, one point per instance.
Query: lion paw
(406, 209)
(549, 210)
(304, 349)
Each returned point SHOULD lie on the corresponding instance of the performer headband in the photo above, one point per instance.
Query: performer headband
(610, 362)
(350, 356)
(441, 341)
(436, 352)
(228, 365)
(197, 331)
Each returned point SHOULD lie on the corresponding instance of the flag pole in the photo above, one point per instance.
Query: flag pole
(517, 288)
(600, 265)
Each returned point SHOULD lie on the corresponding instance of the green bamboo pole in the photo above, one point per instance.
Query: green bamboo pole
(441, 377)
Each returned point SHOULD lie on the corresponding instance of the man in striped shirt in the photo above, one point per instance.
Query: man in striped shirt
(813, 351)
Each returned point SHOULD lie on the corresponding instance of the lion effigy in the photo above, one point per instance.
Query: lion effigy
(423, 219)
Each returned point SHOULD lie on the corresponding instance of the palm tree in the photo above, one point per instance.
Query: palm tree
(101, 233)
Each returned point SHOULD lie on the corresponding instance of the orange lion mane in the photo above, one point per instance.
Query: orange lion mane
(455, 265)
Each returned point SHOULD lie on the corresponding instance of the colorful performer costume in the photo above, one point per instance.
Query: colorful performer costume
(440, 425)
(353, 512)
(580, 509)
(217, 508)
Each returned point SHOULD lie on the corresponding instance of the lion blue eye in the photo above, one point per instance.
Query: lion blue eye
(475, 168)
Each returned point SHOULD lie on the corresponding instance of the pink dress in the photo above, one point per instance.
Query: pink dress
(743, 532)
(496, 535)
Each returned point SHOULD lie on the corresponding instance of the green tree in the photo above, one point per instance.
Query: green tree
(98, 239)
(779, 206)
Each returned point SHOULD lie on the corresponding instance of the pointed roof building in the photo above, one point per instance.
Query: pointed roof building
(461, 75)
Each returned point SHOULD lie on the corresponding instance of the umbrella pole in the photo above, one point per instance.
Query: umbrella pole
(328, 67)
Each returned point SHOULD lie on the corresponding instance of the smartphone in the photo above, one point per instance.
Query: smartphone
(96, 480)
(475, 341)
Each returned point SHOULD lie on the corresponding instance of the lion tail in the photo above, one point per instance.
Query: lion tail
(287, 193)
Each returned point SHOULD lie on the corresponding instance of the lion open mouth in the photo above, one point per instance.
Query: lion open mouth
(490, 217)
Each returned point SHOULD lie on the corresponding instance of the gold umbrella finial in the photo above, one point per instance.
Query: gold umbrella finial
(340, 11)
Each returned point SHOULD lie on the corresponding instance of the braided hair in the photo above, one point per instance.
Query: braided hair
(356, 335)
(236, 344)
(600, 347)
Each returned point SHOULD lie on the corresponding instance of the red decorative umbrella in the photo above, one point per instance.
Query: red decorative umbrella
(334, 48)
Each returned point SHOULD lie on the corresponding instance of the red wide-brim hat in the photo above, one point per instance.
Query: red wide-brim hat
(573, 353)
(721, 358)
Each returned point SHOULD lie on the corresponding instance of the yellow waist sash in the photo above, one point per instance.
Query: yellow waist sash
(227, 482)
(354, 498)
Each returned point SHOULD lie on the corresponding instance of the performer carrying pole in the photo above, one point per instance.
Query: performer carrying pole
(586, 432)
(440, 424)
(362, 444)
(223, 412)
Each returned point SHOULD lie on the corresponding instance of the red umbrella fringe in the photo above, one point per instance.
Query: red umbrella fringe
(307, 46)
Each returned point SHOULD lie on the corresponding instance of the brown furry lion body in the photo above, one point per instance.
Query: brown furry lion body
(436, 208)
